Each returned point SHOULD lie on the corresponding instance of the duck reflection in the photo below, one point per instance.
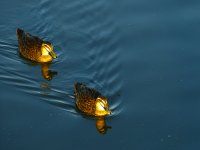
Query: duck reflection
(46, 73)
(45, 88)
(101, 125)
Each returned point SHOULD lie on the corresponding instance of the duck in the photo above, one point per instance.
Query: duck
(89, 101)
(33, 48)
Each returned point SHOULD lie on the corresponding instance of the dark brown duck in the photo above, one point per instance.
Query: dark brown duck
(90, 101)
(34, 48)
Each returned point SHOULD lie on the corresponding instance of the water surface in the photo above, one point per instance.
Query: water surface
(150, 46)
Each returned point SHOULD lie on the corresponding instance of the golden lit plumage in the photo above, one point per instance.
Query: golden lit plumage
(34, 48)
(90, 101)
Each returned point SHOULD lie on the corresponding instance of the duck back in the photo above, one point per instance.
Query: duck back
(83, 92)
(29, 46)
(85, 98)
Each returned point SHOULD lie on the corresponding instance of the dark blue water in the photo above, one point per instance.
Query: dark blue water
(142, 55)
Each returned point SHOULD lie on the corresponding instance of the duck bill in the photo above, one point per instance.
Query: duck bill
(53, 54)
(109, 112)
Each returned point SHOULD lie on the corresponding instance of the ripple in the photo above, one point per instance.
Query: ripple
(86, 41)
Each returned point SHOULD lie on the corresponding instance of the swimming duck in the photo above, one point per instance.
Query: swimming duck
(34, 48)
(90, 101)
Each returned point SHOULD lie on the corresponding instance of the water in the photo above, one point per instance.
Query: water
(150, 46)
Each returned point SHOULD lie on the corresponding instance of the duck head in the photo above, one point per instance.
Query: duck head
(47, 50)
(102, 106)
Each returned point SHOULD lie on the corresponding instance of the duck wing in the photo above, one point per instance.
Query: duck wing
(29, 45)
(27, 40)
(82, 92)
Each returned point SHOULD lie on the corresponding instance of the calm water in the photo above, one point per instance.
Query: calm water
(143, 55)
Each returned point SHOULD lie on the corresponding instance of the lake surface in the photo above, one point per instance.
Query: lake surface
(142, 55)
